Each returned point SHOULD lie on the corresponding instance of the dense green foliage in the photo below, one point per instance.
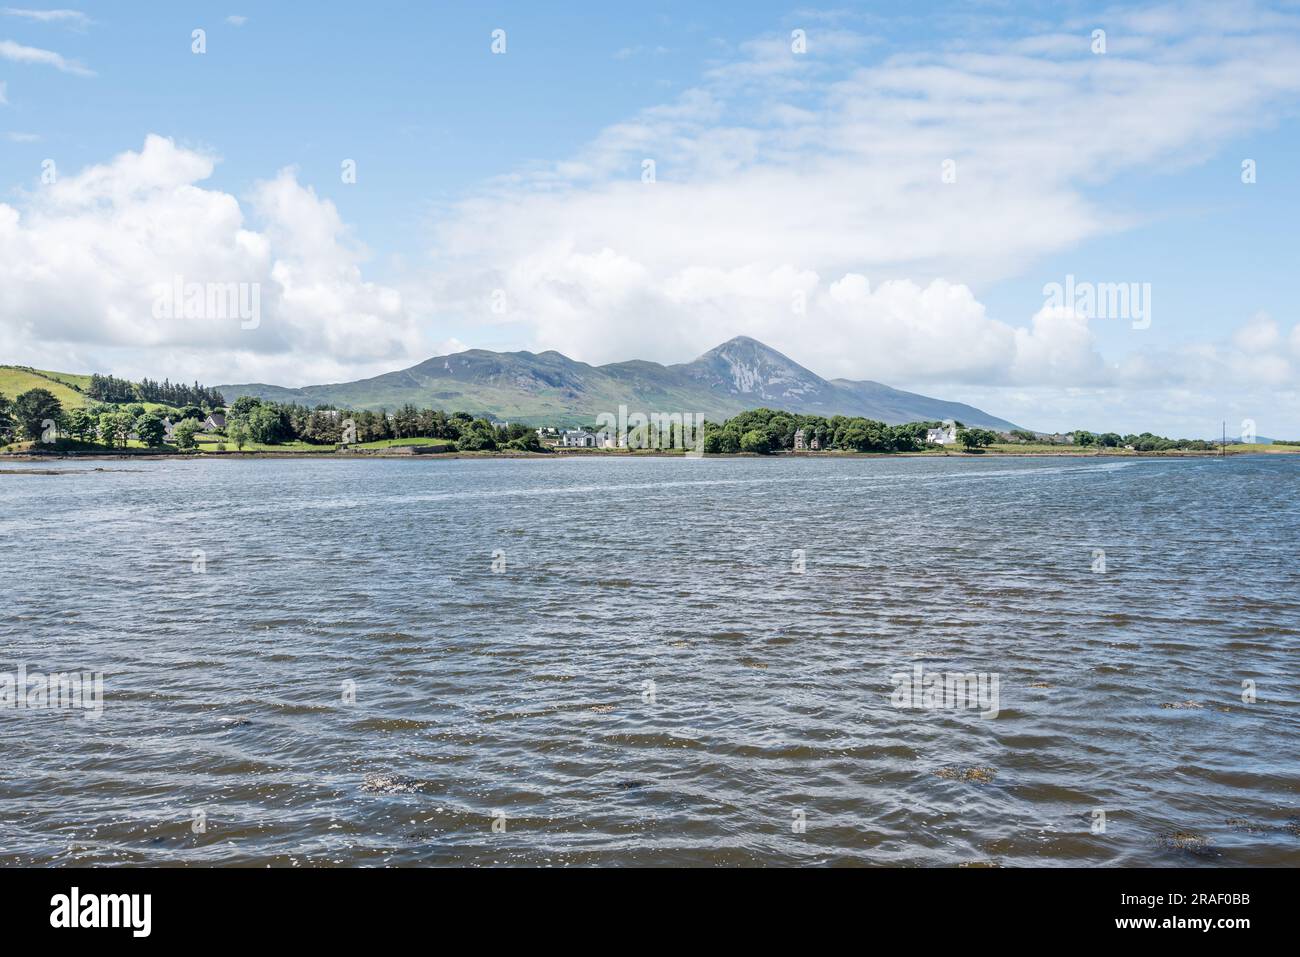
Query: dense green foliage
(33, 409)
(1146, 442)
(971, 439)
(272, 423)
(768, 430)
(186, 429)
(149, 429)
(6, 418)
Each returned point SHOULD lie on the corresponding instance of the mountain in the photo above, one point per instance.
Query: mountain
(550, 388)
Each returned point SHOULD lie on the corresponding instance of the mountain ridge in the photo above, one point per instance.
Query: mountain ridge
(550, 388)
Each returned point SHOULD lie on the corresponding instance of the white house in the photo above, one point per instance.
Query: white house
(578, 438)
(947, 435)
(214, 423)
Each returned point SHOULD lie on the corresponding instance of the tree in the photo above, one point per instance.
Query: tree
(866, 435)
(268, 424)
(150, 430)
(478, 436)
(6, 418)
(35, 408)
(237, 434)
(908, 437)
(81, 425)
(318, 427)
(756, 442)
(185, 433)
(528, 442)
(114, 427)
(720, 441)
(972, 439)
(242, 406)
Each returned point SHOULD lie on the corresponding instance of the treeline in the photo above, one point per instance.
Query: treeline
(107, 388)
(38, 415)
(767, 430)
(1146, 442)
(275, 423)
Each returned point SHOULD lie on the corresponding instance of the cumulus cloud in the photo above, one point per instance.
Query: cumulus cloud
(786, 177)
(1185, 389)
(84, 264)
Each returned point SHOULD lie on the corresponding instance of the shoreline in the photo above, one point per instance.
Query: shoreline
(601, 453)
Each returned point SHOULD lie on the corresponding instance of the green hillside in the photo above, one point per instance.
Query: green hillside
(63, 385)
(67, 387)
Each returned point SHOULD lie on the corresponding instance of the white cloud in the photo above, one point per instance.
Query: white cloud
(784, 174)
(236, 20)
(1185, 390)
(73, 18)
(1260, 334)
(17, 53)
(82, 265)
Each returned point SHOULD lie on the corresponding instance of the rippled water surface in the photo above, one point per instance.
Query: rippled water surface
(525, 693)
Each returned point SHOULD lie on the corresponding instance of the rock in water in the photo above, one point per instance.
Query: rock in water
(392, 784)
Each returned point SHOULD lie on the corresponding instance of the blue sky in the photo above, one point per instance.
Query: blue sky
(778, 175)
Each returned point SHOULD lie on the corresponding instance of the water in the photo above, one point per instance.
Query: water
(524, 692)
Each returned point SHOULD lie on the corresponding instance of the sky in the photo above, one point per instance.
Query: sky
(891, 191)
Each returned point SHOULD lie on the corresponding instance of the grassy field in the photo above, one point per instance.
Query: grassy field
(399, 443)
(14, 381)
(70, 379)
(209, 443)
